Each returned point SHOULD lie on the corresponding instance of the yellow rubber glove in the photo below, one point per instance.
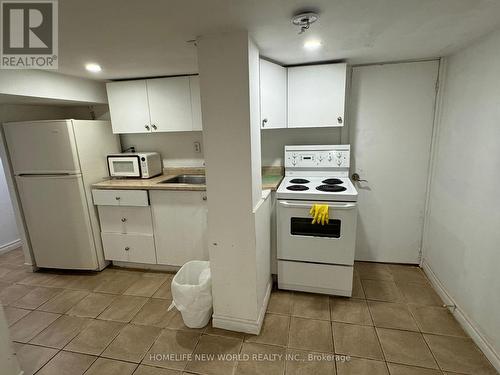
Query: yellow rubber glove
(324, 218)
(319, 212)
(314, 212)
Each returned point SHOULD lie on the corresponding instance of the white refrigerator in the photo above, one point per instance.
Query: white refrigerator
(55, 163)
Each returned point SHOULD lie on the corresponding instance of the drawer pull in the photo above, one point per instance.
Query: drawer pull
(117, 198)
(127, 248)
(124, 219)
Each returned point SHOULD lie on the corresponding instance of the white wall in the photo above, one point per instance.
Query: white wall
(462, 237)
(41, 84)
(8, 227)
(274, 141)
(176, 149)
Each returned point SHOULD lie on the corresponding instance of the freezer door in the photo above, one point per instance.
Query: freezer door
(43, 147)
(57, 217)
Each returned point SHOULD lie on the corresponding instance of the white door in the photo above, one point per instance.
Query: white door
(58, 221)
(316, 95)
(42, 147)
(128, 106)
(392, 110)
(170, 104)
(180, 226)
(194, 86)
(273, 85)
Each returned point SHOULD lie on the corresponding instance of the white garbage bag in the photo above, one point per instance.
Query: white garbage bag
(192, 293)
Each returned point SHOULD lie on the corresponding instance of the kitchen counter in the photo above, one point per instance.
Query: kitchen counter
(271, 178)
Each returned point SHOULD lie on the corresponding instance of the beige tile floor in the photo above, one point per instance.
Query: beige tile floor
(116, 321)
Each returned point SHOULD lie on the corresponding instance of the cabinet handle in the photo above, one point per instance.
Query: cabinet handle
(339, 120)
(117, 198)
(127, 248)
(147, 127)
(204, 198)
(264, 122)
(154, 126)
(124, 219)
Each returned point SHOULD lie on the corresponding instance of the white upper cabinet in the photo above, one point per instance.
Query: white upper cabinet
(273, 85)
(194, 85)
(128, 106)
(169, 104)
(155, 105)
(316, 95)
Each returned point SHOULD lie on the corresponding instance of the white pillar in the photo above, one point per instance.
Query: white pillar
(239, 251)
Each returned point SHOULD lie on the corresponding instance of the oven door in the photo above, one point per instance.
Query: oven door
(300, 240)
(124, 166)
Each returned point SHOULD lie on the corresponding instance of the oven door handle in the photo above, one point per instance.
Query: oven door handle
(337, 206)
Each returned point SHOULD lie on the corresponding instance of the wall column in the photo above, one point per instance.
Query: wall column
(239, 252)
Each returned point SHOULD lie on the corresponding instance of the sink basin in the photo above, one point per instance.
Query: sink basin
(193, 179)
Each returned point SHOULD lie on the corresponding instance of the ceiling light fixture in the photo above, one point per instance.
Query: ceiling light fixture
(304, 20)
(312, 44)
(92, 67)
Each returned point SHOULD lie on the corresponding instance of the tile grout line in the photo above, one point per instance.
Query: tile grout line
(378, 338)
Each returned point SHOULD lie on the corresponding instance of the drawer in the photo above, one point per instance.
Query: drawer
(139, 248)
(315, 278)
(126, 219)
(120, 197)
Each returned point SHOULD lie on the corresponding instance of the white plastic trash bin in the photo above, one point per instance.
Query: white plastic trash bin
(192, 293)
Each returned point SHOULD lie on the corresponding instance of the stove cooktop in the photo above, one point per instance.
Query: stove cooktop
(325, 188)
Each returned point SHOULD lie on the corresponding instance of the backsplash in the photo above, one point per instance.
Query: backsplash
(176, 148)
(273, 141)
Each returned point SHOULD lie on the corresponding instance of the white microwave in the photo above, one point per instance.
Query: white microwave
(135, 164)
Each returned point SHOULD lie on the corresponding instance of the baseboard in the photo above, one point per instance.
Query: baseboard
(244, 325)
(10, 246)
(144, 266)
(467, 324)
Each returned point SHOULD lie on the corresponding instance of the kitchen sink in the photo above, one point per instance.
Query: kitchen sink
(192, 179)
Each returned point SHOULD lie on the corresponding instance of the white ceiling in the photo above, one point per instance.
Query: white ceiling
(133, 38)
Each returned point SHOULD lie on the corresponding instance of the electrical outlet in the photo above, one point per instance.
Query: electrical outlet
(197, 147)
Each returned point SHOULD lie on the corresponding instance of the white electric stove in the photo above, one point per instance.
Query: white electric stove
(314, 257)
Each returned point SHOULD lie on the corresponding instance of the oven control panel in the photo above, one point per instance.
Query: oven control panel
(337, 157)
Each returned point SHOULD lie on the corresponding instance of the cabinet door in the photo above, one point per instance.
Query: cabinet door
(273, 82)
(316, 95)
(194, 85)
(180, 226)
(170, 104)
(128, 106)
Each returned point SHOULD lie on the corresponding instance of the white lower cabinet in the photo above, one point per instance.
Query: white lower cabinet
(157, 227)
(180, 226)
(137, 248)
(126, 219)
